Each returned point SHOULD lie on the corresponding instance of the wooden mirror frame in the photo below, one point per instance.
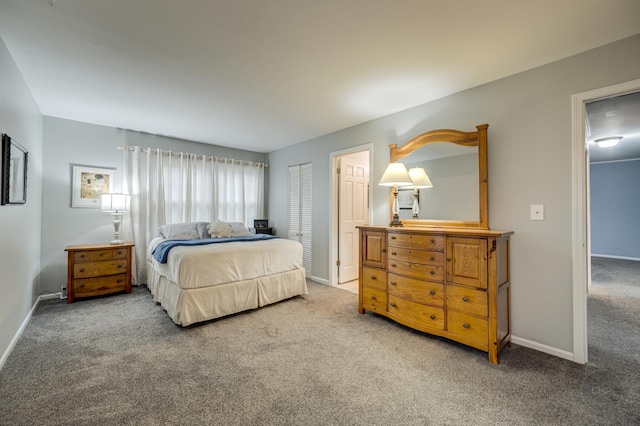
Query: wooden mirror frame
(457, 137)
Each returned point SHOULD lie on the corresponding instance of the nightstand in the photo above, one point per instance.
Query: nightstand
(98, 269)
(264, 231)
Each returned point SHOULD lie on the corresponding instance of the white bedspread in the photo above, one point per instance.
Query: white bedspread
(215, 264)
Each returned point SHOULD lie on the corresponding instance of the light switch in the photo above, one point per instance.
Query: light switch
(537, 211)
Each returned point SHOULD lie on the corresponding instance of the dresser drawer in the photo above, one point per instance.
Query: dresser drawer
(468, 327)
(416, 290)
(102, 285)
(416, 270)
(416, 313)
(416, 241)
(467, 300)
(420, 256)
(374, 300)
(374, 278)
(96, 269)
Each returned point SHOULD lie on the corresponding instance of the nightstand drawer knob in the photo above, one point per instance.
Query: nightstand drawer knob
(465, 325)
(432, 292)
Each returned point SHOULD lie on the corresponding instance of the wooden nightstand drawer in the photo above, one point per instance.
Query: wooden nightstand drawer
(470, 328)
(374, 300)
(467, 300)
(416, 313)
(374, 278)
(416, 290)
(98, 269)
(101, 285)
(416, 270)
(416, 241)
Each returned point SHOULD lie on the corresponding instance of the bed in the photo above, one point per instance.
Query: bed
(204, 277)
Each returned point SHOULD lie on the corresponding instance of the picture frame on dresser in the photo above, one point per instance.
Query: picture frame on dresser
(14, 172)
(88, 184)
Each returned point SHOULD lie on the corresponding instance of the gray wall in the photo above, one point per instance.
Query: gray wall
(20, 118)
(530, 162)
(68, 143)
(615, 203)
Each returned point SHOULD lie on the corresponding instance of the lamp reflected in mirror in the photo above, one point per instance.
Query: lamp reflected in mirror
(419, 179)
(395, 175)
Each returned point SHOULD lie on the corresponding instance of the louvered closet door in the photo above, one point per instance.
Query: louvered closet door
(300, 210)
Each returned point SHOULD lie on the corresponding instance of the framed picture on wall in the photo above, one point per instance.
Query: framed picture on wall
(88, 184)
(405, 198)
(14, 172)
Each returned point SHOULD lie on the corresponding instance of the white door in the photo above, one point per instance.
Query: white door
(353, 211)
(300, 210)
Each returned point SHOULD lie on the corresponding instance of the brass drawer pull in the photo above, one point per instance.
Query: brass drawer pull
(465, 325)
(119, 281)
(432, 272)
(393, 253)
(373, 297)
(393, 283)
(373, 277)
(465, 299)
(82, 256)
(393, 237)
(81, 285)
(383, 250)
(433, 241)
(432, 317)
(81, 270)
(432, 258)
(393, 304)
(432, 292)
(101, 254)
(393, 265)
(448, 259)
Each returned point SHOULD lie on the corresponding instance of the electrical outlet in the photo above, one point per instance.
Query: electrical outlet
(63, 292)
(537, 211)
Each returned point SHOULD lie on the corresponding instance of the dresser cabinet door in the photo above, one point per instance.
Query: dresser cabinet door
(374, 249)
(467, 261)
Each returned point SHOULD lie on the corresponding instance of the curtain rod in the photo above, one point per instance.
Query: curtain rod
(174, 153)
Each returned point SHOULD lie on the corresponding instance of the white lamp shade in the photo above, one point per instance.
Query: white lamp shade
(395, 175)
(420, 178)
(115, 202)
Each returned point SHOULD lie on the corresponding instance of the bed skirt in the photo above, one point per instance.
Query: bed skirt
(189, 306)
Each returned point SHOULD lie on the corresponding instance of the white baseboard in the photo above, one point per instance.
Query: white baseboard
(608, 256)
(13, 342)
(542, 348)
(320, 280)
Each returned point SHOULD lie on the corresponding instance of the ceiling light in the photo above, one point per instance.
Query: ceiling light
(608, 142)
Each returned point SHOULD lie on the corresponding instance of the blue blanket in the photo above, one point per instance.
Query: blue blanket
(161, 252)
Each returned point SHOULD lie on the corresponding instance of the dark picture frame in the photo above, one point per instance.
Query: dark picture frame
(14, 172)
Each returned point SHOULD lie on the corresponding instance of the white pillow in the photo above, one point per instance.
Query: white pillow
(238, 229)
(219, 229)
(180, 231)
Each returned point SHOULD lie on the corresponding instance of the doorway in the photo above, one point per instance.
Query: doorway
(581, 232)
(350, 183)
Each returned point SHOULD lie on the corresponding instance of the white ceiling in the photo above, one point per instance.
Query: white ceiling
(264, 74)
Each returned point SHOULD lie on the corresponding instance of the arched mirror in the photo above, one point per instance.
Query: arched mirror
(456, 165)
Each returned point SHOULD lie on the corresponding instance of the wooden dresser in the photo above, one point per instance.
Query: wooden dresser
(450, 282)
(98, 269)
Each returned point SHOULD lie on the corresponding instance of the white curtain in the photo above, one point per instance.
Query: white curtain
(168, 187)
